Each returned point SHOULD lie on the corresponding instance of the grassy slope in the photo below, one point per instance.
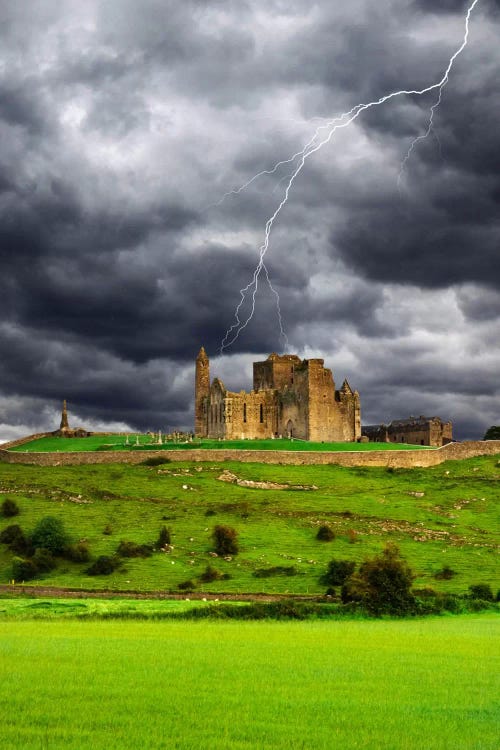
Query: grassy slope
(117, 442)
(234, 686)
(455, 522)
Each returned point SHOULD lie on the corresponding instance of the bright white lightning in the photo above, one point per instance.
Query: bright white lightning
(315, 143)
(442, 84)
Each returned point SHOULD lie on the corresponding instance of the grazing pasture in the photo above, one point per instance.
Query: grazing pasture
(383, 684)
(441, 517)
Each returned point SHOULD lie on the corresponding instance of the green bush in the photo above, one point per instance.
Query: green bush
(210, 574)
(481, 591)
(382, 584)
(156, 461)
(164, 538)
(44, 560)
(131, 549)
(107, 530)
(445, 574)
(186, 585)
(78, 552)
(9, 508)
(103, 566)
(14, 537)
(337, 572)
(23, 569)
(50, 534)
(225, 540)
(325, 534)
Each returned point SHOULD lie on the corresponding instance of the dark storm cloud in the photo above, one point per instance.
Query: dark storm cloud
(123, 124)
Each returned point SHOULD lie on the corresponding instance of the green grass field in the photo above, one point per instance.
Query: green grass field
(445, 515)
(389, 685)
(119, 442)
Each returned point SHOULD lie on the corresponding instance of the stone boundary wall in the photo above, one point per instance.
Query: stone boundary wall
(393, 458)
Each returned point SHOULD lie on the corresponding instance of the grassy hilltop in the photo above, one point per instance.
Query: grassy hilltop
(446, 516)
(144, 442)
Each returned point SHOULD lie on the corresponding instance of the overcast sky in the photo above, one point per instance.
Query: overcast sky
(122, 125)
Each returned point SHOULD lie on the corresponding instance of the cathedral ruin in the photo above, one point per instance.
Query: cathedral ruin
(290, 397)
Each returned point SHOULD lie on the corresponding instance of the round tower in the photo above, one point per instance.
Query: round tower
(64, 417)
(201, 393)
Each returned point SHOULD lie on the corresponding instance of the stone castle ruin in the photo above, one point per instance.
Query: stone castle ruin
(415, 430)
(290, 397)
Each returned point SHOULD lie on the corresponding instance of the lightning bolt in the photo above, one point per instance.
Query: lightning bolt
(321, 137)
(443, 82)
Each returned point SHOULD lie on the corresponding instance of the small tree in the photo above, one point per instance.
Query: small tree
(337, 572)
(50, 534)
(225, 540)
(78, 552)
(43, 560)
(164, 539)
(382, 584)
(13, 535)
(481, 591)
(325, 533)
(23, 570)
(492, 433)
(9, 508)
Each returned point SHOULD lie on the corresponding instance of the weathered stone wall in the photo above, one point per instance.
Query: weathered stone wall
(393, 458)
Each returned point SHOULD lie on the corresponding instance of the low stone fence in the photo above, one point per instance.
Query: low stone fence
(393, 458)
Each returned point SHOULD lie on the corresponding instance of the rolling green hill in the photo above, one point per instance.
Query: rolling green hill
(442, 516)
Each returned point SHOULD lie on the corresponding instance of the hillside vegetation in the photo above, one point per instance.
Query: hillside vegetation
(444, 520)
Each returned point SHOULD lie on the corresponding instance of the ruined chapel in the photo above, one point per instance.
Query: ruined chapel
(290, 398)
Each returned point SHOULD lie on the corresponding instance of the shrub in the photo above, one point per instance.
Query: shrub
(77, 552)
(337, 572)
(13, 535)
(211, 574)
(352, 536)
(325, 534)
(210, 512)
(382, 584)
(156, 461)
(107, 530)
(9, 508)
(103, 566)
(225, 540)
(277, 570)
(43, 560)
(23, 569)
(186, 585)
(131, 549)
(481, 591)
(49, 533)
(445, 574)
(164, 538)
